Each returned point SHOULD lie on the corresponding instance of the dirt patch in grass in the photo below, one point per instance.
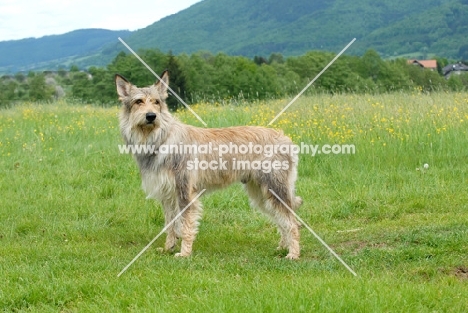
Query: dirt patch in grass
(461, 272)
(357, 246)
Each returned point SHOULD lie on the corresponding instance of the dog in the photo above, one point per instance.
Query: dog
(175, 179)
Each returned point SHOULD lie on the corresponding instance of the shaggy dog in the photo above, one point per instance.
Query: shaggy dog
(180, 161)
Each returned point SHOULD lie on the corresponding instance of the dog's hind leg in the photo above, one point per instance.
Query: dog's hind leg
(288, 226)
(258, 200)
(284, 218)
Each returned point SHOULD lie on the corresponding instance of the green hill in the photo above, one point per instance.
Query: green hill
(441, 30)
(50, 52)
(261, 27)
(244, 27)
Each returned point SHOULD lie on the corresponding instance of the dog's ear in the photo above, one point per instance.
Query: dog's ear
(123, 86)
(163, 85)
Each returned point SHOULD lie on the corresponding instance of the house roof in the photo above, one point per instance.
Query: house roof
(432, 64)
(454, 67)
(428, 63)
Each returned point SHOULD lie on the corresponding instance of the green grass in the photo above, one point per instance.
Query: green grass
(72, 214)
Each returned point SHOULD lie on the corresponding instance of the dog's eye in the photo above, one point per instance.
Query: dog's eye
(156, 101)
(139, 101)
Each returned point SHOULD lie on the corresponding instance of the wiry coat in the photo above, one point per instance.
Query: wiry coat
(169, 178)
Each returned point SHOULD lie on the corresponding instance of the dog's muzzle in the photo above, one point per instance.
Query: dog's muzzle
(150, 117)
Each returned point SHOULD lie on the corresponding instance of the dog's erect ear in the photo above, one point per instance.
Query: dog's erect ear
(163, 84)
(123, 86)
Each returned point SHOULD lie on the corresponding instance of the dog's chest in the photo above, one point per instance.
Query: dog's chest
(158, 184)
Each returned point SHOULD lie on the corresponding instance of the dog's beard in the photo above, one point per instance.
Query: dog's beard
(149, 125)
(148, 130)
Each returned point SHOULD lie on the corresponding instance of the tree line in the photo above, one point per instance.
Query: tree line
(208, 77)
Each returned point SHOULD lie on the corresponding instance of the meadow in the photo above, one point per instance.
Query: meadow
(72, 213)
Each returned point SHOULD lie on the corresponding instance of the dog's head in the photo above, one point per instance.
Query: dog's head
(143, 107)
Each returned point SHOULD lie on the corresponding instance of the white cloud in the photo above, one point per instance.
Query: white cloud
(24, 18)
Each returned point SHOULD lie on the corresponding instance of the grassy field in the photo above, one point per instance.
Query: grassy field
(72, 214)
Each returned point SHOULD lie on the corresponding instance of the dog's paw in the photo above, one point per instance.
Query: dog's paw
(181, 255)
(292, 257)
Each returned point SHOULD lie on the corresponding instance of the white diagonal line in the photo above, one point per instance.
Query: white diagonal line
(162, 231)
(312, 81)
(313, 233)
(159, 78)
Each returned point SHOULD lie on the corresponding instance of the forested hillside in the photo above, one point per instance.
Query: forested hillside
(249, 28)
(49, 52)
(441, 30)
(220, 78)
(405, 28)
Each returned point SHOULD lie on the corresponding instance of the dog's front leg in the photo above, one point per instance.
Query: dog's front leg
(170, 212)
(189, 229)
(189, 222)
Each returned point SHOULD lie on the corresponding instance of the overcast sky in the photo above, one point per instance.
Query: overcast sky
(25, 18)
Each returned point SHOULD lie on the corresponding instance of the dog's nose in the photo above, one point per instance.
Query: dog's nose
(150, 117)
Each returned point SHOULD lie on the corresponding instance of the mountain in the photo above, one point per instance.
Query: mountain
(244, 27)
(440, 30)
(49, 52)
(261, 27)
